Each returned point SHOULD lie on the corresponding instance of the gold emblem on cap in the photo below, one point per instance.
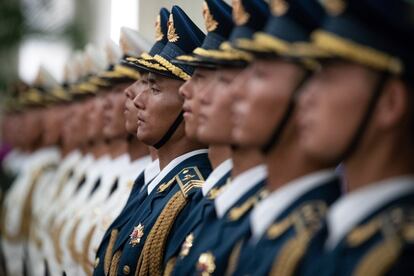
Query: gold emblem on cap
(136, 235)
(279, 7)
(158, 32)
(240, 16)
(206, 264)
(333, 7)
(209, 21)
(172, 35)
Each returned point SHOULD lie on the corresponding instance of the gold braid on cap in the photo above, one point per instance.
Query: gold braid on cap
(147, 56)
(127, 72)
(151, 65)
(359, 53)
(223, 55)
(177, 71)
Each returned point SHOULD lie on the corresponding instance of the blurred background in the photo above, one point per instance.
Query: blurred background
(47, 32)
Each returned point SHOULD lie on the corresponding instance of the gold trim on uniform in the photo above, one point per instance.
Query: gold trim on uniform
(127, 72)
(359, 53)
(177, 71)
(240, 16)
(210, 22)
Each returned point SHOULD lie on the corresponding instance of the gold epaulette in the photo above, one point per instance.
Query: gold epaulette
(188, 179)
(238, 211)
(306, 220)
(396, 226)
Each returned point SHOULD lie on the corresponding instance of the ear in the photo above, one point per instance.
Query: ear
(393, 104)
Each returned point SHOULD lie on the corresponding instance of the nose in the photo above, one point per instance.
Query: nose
(183, 91)
(139, 99)
(307, 94)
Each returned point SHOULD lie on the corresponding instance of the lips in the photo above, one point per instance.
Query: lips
(187, 109)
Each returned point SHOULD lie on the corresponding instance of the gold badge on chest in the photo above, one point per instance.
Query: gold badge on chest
(136, 235)
(188, 243)
(206, 264)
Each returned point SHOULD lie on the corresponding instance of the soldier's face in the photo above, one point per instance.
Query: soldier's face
(215, 112)
(331, 107)
(70, 117)
(52, 123)
(95, 118)
(158, 107)
(261, 96)
(114, 119)
(131, 111)
(33, 125)
(192, 91)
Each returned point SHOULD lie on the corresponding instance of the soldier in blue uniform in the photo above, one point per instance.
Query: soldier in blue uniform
(301, 189)
(138, 193)
(184, 163)
(358, 108)
(220, 220)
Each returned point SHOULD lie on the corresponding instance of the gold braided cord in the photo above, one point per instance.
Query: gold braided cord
(290, 255)
(177, 71)
(169, 268)
(56, 242)
(85, 263)
(114, 264)
(26, 212)
(357, 52)
(150, 261)
(151, 65)
(108, 252)
(379, 259)
(147, 56)
(234, 258)
(127, 72)
(223, 54)
(72, 242)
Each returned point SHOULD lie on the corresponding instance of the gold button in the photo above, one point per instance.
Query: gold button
(96, 262)
(126, 270)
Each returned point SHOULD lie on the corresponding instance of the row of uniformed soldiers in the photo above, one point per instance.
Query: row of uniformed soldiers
(279, 143)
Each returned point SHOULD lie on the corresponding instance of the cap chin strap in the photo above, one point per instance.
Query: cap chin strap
(278, 130)
(366, 119)
(170, 132)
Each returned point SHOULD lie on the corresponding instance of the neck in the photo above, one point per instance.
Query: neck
(244, 159)
(175, 147)
(381, 159)
(217, 154)
(117, 147)
(287, 161)
(136, 149)
(99, 148)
